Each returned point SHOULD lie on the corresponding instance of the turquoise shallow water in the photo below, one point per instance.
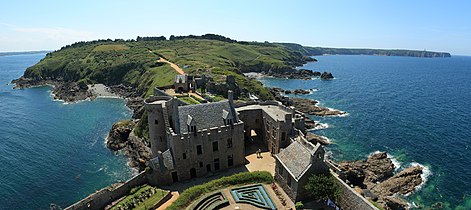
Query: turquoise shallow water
(51, 152)
(417, 109)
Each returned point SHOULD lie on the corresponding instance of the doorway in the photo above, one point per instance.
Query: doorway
(193, 173)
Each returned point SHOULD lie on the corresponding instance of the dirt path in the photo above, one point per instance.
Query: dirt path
(169, 202)
(174, 66)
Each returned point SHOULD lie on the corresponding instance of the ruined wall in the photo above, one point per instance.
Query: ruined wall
(105, 196)
(350, 199)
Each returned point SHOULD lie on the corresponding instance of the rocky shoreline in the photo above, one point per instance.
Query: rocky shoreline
(375, 178)
(302, 74)
(304, 105)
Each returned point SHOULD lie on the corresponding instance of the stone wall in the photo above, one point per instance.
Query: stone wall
(350, 199)
(103, 197)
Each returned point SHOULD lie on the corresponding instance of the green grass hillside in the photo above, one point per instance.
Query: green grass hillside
(134, 63)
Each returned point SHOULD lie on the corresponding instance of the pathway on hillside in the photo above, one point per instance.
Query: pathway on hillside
(174, 66)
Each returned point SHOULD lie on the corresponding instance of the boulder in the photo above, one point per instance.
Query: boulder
(118, 135)
(327, 75)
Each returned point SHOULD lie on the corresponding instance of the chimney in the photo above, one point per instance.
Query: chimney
(230, 97)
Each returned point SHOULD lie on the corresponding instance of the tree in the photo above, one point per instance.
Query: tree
(322, 186)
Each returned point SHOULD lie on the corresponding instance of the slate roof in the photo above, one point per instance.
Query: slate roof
(296, 158)
(204, 116)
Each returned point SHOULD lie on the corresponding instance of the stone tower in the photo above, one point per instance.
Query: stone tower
(158, 109)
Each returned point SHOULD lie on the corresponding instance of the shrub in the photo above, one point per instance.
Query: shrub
(193, 193)
(299, 205)
(323, 186)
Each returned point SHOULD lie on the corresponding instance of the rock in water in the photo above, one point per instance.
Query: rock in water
(377, 167)
(119, 133)
(317, 138)
(327, 75)
(404, 182)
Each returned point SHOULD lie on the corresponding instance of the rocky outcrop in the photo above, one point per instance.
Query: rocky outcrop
(311, 137)
(304, 105)
(309, 106)
(403, 183)
(71, 92)
(122, 138)
(303, 74)
(66, 91)
(376, 176)
(118, 135)
(327, 75)
(377, 167)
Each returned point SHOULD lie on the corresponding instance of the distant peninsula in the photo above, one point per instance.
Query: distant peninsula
(316, 51)
(25, 52)
(343, 51)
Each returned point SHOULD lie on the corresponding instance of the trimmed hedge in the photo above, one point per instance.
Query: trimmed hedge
(193, 193)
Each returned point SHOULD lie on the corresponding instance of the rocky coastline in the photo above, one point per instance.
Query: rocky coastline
(302, 74)
(307, 106)
(376, 179)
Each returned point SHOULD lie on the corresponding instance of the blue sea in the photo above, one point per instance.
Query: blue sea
(51, 152)
(416, 109)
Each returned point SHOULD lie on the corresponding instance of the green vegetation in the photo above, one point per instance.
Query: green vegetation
(141, 198)
(109, 47)
(376, 204)
(323, 186)
(193, 193)
(299, 205)
(188, 100)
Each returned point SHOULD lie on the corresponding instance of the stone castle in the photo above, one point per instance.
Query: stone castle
(189, 141)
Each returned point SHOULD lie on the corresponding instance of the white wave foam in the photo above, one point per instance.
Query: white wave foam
(311, 91)
(320, 126)
(426, 173)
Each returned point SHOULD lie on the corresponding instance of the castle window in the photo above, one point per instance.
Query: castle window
(184, 155)
(230, 160)
(201, 164)
(193, 128)
(215, 146)
(229, 142)
(216, 164)
(156, 122)
(199, 150)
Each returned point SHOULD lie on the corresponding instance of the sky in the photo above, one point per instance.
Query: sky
(401, 24)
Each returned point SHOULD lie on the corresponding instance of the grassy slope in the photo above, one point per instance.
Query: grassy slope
(134, 63)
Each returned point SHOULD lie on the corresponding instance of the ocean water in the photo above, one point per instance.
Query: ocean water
(417, 109)
(51, 152)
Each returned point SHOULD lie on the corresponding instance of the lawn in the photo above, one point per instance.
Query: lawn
(188, 100)
(137, 194)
